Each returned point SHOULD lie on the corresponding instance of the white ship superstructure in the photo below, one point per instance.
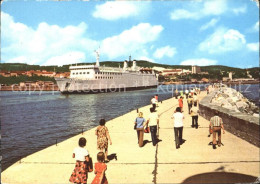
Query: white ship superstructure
(95, 78)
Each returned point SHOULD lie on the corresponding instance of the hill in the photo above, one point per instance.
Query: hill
(215, 71)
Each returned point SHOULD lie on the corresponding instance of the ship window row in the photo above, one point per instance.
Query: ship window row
(98, 77)
(80, 73)
(108, 73)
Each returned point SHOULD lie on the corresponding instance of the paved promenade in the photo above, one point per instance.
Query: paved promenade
(195, 162)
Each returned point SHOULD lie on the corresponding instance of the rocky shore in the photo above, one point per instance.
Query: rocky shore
(231, 99)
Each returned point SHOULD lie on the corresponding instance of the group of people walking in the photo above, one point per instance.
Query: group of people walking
(84, 163)
(216, 123)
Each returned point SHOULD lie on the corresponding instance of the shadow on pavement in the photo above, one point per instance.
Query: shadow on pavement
(145, 142)
(112, 156)
(220, 177)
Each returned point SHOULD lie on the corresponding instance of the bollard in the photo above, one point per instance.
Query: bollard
(161, 102)
(137, 110)
(56, 142)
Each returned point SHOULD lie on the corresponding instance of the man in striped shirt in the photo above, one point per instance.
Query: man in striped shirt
(215, 126)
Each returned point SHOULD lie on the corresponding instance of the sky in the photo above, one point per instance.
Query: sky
(177, 32)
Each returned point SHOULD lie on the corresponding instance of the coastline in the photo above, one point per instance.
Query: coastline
(154, 162)
(16, 87)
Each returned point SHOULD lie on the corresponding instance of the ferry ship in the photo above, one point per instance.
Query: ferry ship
(98, 79)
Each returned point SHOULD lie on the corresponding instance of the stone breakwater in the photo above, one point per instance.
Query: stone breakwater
(233, 100)
(243, 125)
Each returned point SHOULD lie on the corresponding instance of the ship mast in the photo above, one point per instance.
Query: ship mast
(97, 57)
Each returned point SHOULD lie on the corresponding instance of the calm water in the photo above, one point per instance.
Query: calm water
(31, 121)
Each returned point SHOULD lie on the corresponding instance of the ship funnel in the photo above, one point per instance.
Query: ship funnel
(125, 64)
(134, 65)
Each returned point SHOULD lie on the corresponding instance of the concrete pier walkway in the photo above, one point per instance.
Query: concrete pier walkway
(195, 162)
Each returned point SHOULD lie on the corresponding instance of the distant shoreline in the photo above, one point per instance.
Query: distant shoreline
(227, 83)
(56, 88)
(29, 88)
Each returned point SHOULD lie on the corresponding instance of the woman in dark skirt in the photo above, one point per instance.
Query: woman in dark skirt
(80, 173)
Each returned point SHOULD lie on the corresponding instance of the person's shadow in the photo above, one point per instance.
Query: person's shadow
(158, 140)
(112, 156)
(145, 142)
(183, 141)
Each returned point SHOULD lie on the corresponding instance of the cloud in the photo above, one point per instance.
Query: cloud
(239, 10)
(184, 14)
(200, 9)
(130, 41)
(52, 44)
(46, 43)
(255, 27)
(223, 40)
(117, 10)
(199, 62)
(67, 58)
(211, 23)
(253, 47)
(164, 51)
(207, 8)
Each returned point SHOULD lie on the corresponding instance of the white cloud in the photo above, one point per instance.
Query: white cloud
(253, 47)
(131, 41)
(239, 10)
(256, 26)
(199, 62)
(119, 9)
(184, 14)
(44, 44)
(67, 58)
(205, 8)
(223, 40)
(213, 7)
(52, 44)
(164, 51)
(211, 23)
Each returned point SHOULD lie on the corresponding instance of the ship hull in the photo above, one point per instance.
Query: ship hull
(125, 83)
(108, 90)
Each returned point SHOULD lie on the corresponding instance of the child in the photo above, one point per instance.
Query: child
(100, 168)
(80, 173)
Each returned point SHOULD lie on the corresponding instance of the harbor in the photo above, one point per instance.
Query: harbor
(66, 66)
(236, 161)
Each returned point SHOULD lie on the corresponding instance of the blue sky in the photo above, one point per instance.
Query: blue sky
(201, 32)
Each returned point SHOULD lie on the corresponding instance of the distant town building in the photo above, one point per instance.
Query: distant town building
(62, 75)
(195, 69)
(205, 80)
(230, 76)
(169, 72)
(158, 69)
(248, 74)
(225, 79)
(243, 79)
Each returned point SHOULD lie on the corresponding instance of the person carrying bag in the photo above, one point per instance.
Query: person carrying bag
(139, 127)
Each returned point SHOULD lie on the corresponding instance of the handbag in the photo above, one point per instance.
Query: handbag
(90, 165)
(147, 130)
(135, 126)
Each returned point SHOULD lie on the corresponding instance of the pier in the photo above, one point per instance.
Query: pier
(236, 161)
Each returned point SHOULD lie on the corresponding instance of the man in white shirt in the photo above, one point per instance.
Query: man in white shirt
(153, 101)
(178, 126)
(153, 121)
(194, 114)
